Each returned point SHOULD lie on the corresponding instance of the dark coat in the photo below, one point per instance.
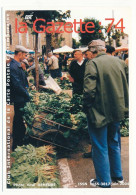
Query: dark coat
(105, 90)
(18, 83)
(77, 73)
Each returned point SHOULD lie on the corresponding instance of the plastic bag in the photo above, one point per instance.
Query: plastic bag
(51, 84)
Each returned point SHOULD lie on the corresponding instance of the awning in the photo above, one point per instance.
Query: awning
(121, 49)
(83, 49)
(9, 52)
(64, 49)
(31, 51)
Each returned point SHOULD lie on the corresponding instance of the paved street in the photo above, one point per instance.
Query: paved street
(82, 170)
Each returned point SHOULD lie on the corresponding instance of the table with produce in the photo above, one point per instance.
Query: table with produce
(52, 121)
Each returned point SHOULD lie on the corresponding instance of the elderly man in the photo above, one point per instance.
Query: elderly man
(24, 64)
(76, 71)
(88, 55)
(19, 94)
(105, 103)
(53, 65)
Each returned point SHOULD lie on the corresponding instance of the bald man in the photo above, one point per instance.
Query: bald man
(76, 71)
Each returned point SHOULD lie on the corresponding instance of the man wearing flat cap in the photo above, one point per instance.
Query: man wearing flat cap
(19, 94)
(105, 103)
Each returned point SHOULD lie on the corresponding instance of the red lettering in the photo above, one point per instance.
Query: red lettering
(81, 30)
(66, 25)
(23, 27)
(86, 27)
(58, 29)
(75, 22)
(110, 24)
(34, 26)
(122, 27)
(48, 27)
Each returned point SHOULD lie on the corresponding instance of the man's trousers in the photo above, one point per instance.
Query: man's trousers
(18, 126)
(106, 152)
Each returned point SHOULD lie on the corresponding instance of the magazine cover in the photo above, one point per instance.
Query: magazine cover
(67, 102)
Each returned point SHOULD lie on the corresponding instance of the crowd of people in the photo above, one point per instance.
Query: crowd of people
(101, 78)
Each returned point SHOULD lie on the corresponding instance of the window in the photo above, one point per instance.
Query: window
(39, 42)
(27, 39)
(19, 38)
(10, 34)
(33, 41)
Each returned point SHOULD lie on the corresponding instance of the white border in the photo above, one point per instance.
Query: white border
(46, 5)
(1, 104)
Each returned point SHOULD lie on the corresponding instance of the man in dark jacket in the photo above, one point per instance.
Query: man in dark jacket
(105, 103)
(76, 71)
(19, 94)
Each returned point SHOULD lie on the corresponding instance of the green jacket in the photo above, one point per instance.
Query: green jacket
(105, 90)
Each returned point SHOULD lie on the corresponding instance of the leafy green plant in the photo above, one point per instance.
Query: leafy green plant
(58, 108)
(124, 130)
(31, 80)
(33, 167)
(64, 83)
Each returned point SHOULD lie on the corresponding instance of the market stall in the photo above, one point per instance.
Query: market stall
(64, 49)
(119, 49)
(55, 119)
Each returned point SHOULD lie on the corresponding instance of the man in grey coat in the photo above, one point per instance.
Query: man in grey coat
(105, 103)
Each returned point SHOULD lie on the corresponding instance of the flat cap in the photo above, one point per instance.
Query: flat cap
(97, 42)
(25, 61)
(21, 48)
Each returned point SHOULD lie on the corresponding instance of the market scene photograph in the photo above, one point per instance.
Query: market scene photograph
(67, 102)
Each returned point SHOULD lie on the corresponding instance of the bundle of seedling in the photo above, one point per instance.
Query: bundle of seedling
(34, 168)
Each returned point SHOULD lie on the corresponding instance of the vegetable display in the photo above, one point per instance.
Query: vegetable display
(63, 110)
(64, 83)
(67, 111)
(34, 167)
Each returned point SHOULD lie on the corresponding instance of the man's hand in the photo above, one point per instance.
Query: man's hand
(71, 79)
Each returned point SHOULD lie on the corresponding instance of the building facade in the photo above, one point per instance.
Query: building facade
(13, 37)
(124, 40)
